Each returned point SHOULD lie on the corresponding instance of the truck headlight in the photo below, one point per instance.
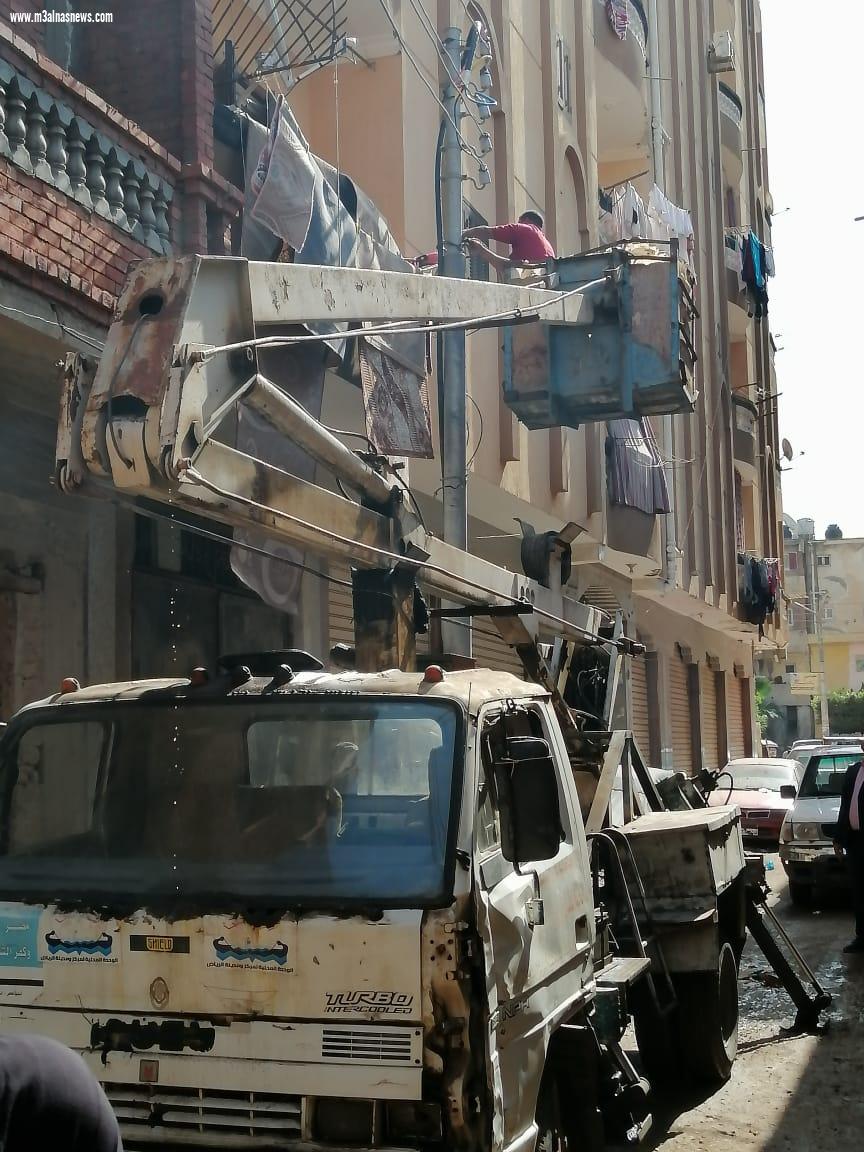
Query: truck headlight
(786, 831)
(806, 831)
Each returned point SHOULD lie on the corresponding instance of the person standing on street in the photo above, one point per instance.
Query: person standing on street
(849, 840)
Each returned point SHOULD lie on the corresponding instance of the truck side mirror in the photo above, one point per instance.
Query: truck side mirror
(528, 790)
(788, 791)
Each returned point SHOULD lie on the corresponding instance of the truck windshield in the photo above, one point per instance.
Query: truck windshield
(303, 802)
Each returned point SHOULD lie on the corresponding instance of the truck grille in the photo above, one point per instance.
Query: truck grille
(366, 1045)
(202, 1110)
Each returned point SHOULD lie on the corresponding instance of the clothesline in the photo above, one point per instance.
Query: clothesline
(621, 183)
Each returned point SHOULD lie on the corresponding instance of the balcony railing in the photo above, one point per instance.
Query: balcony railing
(730, 105)
(47, 138)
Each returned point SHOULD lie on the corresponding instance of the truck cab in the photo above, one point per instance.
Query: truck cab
(286, 908)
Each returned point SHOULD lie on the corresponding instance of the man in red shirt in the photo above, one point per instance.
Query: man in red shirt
(527, 240)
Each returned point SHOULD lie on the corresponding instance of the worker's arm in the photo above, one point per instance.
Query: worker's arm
(499, 263)
(481, 232)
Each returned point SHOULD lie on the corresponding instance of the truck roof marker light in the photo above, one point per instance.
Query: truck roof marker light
(199, 677)
(434, 674)
(69, 684)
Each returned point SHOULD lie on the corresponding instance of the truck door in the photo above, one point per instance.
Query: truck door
(536, 924)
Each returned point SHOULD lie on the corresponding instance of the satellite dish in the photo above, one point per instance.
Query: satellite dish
(786, 448)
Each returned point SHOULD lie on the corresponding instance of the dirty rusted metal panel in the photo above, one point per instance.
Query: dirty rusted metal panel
(687, 854)
(634, 358)
(337, 979)
(453, 1023)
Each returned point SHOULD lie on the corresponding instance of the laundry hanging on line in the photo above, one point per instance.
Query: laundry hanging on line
(624, 215)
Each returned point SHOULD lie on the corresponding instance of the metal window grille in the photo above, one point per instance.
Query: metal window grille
(274, 36)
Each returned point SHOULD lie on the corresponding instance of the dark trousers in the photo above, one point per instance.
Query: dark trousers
(855, 859)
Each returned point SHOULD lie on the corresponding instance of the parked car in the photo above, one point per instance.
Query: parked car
(764, 789)
(806, 844)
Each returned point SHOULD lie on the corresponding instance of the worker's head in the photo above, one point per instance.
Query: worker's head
(532, 218)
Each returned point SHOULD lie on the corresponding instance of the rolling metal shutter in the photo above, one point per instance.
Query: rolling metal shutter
(735, 689)
(679, 707)
(640, 720)
(490, 651)
(710, 729)
(340, 609)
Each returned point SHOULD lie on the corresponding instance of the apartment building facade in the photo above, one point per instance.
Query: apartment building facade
(578, 84)
(824, 587)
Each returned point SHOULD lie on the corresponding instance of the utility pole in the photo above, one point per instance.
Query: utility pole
(811, 588)
(456, 636)
(658, 171)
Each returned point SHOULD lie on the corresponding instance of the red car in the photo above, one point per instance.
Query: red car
(763, 789)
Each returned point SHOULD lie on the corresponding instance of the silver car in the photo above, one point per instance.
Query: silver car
(806, 844)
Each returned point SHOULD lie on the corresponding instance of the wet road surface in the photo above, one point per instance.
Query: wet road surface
(787, 1093)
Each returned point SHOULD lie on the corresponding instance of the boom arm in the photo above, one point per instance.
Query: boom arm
(182, 354)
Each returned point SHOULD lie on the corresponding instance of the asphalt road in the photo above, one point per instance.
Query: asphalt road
(787, 1092)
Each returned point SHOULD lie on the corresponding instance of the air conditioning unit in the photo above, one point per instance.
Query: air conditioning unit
(721, 53)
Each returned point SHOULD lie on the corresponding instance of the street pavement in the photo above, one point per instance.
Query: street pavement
(787, 1092)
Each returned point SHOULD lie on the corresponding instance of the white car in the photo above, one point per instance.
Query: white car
(806, 844)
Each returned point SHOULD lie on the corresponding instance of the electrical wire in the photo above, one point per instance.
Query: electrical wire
(418, 69)
(149, 514)
(407, 327)
(195, 477)
(431, 31)
(64, 328)
(479, 434)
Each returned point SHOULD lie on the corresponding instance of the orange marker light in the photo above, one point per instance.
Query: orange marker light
(434, 674)
(199, 677)
(69, 684)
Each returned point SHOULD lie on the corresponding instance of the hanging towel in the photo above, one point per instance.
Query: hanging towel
(619, 17)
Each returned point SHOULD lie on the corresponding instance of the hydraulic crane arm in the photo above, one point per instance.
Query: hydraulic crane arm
(182, 354)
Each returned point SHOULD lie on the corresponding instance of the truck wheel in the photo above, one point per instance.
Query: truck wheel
(656, 1040)
(708, 1020)
(800, 894)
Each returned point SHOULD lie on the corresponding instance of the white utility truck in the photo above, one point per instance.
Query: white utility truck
(279, 906)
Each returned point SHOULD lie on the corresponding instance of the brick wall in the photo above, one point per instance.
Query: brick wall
(151, 70)
(153, 63)
(44, 234)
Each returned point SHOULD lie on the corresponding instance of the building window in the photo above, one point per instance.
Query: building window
(563, 62)
(823, 561)
(790, 669)
(792, 561)
(828, 613)
(478, 269)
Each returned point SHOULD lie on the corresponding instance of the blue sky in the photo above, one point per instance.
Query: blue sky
(814, 80)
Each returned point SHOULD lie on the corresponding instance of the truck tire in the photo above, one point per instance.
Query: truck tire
(657, 1042)
(708, 1020)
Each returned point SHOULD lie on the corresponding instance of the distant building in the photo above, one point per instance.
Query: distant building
(833, 588)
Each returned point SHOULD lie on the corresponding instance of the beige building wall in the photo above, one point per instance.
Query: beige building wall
(381, 126)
